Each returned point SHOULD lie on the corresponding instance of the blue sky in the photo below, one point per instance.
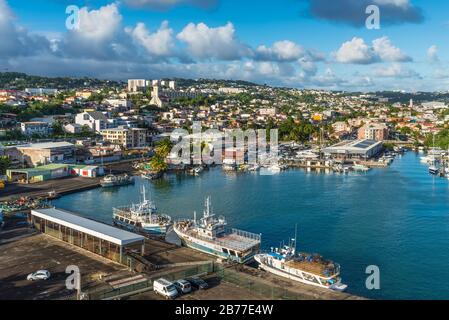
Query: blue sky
(295, 43)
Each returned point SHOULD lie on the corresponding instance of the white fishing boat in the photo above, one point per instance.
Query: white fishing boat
(211, 235)
(142, 217)
(116, 181)
(306, 268)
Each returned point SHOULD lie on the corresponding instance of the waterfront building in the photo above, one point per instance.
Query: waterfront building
(104, 240)
(44, 153)
(128, 138)
(355, 149)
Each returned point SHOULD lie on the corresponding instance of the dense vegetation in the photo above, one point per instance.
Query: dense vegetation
(20, 81)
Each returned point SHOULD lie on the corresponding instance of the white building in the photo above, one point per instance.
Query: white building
(135, 85)
(119, 103)
(95, 120)
(39, 128)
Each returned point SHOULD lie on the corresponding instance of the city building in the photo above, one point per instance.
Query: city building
(128, 138)
(119, 103)
(135, 85)
(73, 128)
(102, 239)
(94, 120)
(230, 90)
(41, 91)
(374, 131)
(355, 149)
(35, 128)
(44, 153)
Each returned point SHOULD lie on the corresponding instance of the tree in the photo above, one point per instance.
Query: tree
(57, 128)
(4, 164)
(163, 148)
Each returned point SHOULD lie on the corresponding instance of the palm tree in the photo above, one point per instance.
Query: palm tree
(163, 148)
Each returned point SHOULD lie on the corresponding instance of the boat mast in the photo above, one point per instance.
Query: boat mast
(296, 237)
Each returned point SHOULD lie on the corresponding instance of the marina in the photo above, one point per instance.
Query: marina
(405, 223)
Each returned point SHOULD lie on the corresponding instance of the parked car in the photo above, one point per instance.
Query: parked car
(198, 283)
(183, 286)
(39, 275)
(165, 288)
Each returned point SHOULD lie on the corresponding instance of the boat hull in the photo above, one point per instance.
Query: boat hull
(210, 248)
(152, 229)
(291, 276)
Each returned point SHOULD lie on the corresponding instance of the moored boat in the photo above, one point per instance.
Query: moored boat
(211, 235)
(116, 181)
(311, 269)
(142, 217)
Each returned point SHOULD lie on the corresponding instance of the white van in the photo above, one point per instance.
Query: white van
(165, 288)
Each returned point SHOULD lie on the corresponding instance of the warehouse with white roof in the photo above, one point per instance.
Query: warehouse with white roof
(96, 237)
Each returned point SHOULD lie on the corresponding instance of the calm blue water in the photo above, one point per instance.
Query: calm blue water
(395, 218)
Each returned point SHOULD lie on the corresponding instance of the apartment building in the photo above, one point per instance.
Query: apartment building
(128, 138)
(374, 131)
(31, 128)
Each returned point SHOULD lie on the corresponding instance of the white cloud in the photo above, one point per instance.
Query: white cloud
(357, 51)
(159, 43)
(220, 43)
(99, 35)
(395, 70)
(281, 51)
(432, 54)
(388, 52)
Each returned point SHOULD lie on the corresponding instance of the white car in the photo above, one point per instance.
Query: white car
(39, 275)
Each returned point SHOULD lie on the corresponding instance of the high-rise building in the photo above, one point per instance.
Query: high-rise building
(135, 85)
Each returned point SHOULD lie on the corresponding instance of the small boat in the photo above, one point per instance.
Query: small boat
(53, 195)
(433, 169)
(142, 217)
(360, 168)
(116, 181)
(152, 175)
(311, 269)
(210, 235)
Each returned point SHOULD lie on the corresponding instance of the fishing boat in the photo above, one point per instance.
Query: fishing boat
(142, 217)
(116, 181)
(311, 269)
(211, 235)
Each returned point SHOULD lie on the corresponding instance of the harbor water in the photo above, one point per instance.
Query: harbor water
(395, 218)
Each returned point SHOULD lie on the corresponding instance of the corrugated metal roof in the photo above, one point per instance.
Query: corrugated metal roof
(47, 145)
(91, 227)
